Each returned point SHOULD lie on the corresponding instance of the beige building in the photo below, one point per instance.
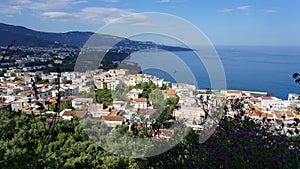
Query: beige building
(191, 114)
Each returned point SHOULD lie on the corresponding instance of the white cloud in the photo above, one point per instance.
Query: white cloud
(226, 10)
(165, 1)
(135, 19)
(62, 10)
(9, 7)
(23, 1)
(10, 10)
(269, 11)
(54, 15)
(243, 7)
(146, 23)
(43, 5)
(98, 15)
(92, 14)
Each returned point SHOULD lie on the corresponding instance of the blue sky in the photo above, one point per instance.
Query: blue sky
(225, 22)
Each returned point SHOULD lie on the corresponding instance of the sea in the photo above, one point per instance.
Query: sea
(254, 68)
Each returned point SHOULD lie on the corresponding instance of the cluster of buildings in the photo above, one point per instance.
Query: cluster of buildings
(22, 92)
(33, 59)
(113, 77)
(282, 116)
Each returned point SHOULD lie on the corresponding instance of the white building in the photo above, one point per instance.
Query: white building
(140, 103)
(134, 94)
(294, 97)
(82, 103)
(274, 103)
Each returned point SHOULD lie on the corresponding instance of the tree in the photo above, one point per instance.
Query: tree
(65, 105)
(296, 76)
(120, 92)
(104, 96)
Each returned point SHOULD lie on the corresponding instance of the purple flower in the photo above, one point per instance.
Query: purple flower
(292, 152)
(224, 158)
(191, 152)
(274, 160)
(258, 142)
(277, 139)
(234, 149)
(245, 133)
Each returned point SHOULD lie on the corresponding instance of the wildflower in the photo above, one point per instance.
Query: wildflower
(191, 152)
(245, 133)
(275, 160)
(292, 152)
(224, 158)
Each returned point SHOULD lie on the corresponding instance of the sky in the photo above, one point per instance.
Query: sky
(224, 22)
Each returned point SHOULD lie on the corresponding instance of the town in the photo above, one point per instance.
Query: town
(119, 97)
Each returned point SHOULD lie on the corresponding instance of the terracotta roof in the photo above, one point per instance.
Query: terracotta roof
(279, 116)
(147, 111)
(26, 108)
(113, 118)
(259, 113)
(288, 113)
(140, 126)
(141, 100)
(3, 105)
(53, 99)
(171, 92)
(45, 85)
(114, 113)
(165, 133)
(266, 98)
(17, 82)
(267, 115)
(80, 114)
(66, 99)
(254, 100)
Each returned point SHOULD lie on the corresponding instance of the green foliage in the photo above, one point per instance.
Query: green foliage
(104, 96)
(164, 87)
(158, 100)
(107, 64)
(120, 92)
(237, 143)
(172, 101)
(147, 87)
(69, 82)
(122, 129)
(46, 81)
(63, 105)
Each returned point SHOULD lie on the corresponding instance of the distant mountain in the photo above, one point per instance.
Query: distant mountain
(31, 38)
(27, 37)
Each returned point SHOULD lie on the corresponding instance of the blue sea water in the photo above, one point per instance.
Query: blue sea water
(246, 68)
